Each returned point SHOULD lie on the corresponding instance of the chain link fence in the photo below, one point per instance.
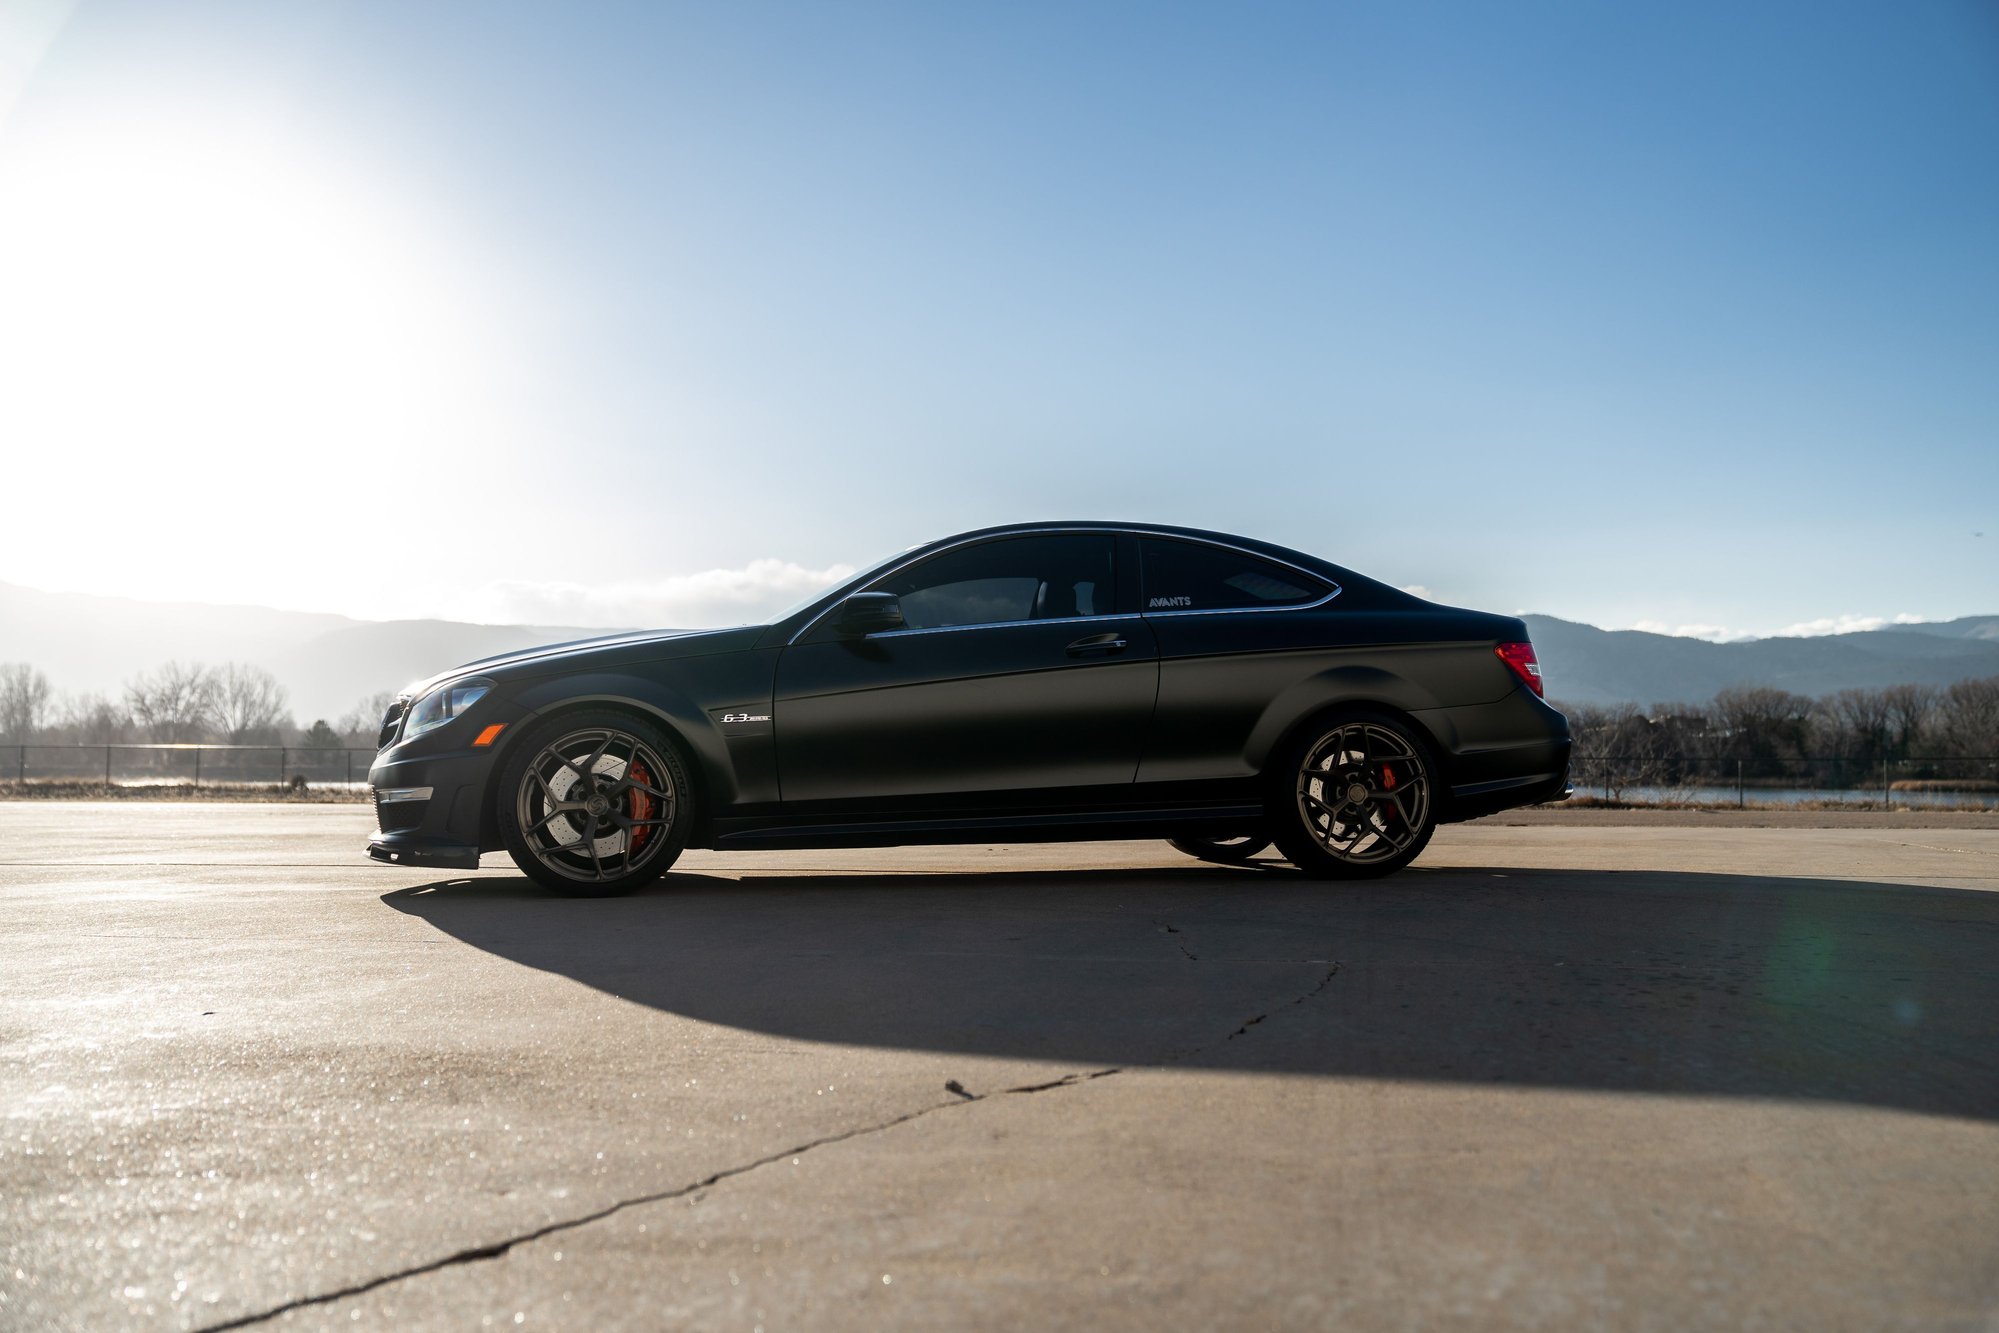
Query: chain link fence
(142, 764)
(1919, 780)
(1929, 781)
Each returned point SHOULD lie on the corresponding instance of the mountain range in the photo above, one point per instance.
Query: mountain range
(329, 663)
(1586, 665)
(88, 644)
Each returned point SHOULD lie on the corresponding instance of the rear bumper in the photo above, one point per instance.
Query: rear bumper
(1512, 752)
(1485, 798)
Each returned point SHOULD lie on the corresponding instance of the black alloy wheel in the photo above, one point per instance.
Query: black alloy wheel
(1234, 850)
(1354, 797)
(594, 804)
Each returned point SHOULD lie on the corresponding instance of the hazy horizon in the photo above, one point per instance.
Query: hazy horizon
(715, 591)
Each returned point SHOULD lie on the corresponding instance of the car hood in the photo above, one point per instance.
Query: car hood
(605, 650)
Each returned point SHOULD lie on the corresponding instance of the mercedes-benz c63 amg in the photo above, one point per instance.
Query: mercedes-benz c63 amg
(1030, 683)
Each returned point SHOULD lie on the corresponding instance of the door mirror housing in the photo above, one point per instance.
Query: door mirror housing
(870, 613)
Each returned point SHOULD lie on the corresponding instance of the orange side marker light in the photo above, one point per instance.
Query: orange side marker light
(489, 735)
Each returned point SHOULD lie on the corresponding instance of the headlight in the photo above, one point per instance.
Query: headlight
(442, 704)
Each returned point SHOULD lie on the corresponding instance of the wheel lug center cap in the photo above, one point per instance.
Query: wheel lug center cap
(597, 807)
(1356, 794)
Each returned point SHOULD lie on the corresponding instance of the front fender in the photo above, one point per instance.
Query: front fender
(688, 698)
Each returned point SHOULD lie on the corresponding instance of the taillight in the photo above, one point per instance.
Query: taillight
(1520, 656)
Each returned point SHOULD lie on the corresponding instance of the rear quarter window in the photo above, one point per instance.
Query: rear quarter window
(1192, 576)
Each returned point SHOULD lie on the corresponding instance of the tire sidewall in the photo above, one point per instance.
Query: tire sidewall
(1287, 822)
(1204, 849)
(513, 769)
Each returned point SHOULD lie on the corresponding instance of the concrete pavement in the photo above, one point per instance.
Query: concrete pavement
(1579, 1076)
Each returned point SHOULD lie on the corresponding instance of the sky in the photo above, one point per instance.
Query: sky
(1683, 317)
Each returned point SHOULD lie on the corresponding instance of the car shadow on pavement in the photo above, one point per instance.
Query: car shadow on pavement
(1670, 983)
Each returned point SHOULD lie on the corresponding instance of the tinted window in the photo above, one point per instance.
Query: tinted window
(1188, 576)
(1015, 578)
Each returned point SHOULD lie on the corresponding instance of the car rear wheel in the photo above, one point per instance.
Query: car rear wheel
(1354, 797)
(594, 804)
(1230, 851)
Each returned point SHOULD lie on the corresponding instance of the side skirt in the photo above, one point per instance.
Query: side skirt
(1065, 826)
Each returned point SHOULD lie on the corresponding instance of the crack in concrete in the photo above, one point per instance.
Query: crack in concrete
(1066, 1081)
(697, 1190)
(1934, 847)
(1309, 995)
(1185, 952)
(498, 1248)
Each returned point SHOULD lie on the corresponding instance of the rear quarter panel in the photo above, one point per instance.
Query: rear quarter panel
(1231, 687)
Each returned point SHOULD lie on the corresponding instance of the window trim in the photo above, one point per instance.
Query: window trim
(1144, 590)
(917, 558)
(992, 624)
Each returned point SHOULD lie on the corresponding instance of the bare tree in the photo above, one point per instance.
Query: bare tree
(1619, 746)
(1910, 709)
(1765, 726)
(1968, 718)
(176, 702)
(1854, 725)
(360, 724)
(92, 719)
(250, 705)
(24, 703)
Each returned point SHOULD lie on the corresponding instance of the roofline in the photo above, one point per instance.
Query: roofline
(811, 615)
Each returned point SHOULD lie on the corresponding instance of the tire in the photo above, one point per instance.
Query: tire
(623, 829)
(1354, 796)
(1230, 851)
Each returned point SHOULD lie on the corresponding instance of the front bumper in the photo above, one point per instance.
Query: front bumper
(447, 830)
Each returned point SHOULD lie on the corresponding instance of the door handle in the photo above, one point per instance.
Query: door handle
(1097, 645)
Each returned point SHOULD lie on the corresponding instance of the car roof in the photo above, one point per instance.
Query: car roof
(1285, 553)
(1356, 586)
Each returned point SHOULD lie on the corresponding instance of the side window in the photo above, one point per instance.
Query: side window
(1192, 576)
(1015, 578)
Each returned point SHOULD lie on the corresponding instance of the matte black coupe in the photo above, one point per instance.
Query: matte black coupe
(1039, 682)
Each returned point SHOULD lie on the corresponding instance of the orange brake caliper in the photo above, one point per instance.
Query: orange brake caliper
(642, 806)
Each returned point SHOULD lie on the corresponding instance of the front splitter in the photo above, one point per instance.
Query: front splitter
(449, 855)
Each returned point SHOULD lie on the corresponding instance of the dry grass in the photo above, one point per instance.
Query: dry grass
(1582, 802)
(56, 789)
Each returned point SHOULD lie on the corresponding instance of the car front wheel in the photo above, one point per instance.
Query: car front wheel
(594, 804)
(1354, 797)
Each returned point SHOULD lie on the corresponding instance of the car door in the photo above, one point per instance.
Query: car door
(1017, 671)
(1235, 630)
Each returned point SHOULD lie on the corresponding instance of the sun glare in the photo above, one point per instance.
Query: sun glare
(200, 326)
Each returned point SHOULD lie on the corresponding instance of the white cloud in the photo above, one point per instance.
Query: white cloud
(710, 597)
(1840, 624)
(1418, 590)
(1712, 633)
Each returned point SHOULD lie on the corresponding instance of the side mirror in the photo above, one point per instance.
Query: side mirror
(870, 613)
